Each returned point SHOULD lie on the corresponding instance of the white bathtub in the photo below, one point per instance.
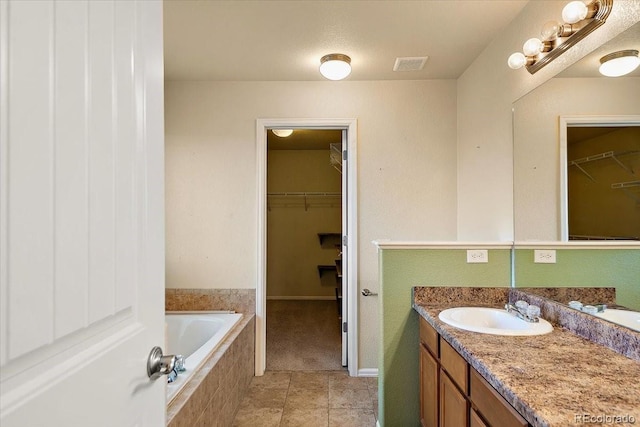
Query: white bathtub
(194, 335)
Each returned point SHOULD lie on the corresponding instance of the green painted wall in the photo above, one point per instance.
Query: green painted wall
(619, 268)
(400, 270)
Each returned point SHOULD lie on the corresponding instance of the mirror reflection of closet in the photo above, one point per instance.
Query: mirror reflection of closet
(603, 182)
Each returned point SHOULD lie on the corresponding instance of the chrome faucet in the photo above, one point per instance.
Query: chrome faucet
(177, 368)
(590, 308)
(524, 311)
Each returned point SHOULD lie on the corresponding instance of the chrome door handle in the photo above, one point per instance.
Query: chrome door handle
(367, 293)
(159, 364)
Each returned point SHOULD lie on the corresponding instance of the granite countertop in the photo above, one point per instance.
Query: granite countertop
(557, 379)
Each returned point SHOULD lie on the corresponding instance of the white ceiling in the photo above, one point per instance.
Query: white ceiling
(271, 40)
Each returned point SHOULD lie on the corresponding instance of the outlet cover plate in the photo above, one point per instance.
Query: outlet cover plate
(475, 256)
(544, 256)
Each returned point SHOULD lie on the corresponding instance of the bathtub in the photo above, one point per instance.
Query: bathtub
(194, 335)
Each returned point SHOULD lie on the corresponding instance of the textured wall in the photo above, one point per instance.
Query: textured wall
(406, 174)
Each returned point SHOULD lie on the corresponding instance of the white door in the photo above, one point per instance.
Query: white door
(81, 212)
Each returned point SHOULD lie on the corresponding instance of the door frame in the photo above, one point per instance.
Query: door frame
(351, 126)
(581, 121)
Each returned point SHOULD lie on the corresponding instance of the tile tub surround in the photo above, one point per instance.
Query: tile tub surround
(238, 300)
(550, 379)
(618, 338)
(213, 395)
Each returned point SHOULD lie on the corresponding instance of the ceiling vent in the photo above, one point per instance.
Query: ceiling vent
(410, 63)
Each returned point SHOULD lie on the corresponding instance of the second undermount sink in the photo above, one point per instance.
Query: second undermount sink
(493, 321)
(628, 318)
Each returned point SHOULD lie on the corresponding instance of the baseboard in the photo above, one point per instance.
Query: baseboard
(368, 372)
(303, 298)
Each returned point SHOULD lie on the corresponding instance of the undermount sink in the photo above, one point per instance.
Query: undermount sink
(630, 319)
(493, 321)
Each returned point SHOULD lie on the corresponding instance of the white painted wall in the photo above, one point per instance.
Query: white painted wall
(406, 161)
(486, 92)
(536, 150)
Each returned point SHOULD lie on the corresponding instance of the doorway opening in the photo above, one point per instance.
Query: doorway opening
(600, 178)
(306, 245)
(304, 249)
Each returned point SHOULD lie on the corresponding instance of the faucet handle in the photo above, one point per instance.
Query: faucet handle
(180, 363)
(575, 304)
(533, 311)
(522, 305)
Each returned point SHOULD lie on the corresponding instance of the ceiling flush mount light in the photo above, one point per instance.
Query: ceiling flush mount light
(579, 20)
(619, 63)
(335, 66)
(282, 133)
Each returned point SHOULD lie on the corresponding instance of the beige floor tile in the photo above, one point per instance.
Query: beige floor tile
(373, 394)
(263, 417)
(310, 380)
(351, 418)
(307, 398)
(343, 380)
(318, 417)
(349, 398)
(372, 383)
(272, 380)
(258, 397)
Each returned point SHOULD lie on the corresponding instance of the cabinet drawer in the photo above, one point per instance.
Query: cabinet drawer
(429, 337)
(496, 411)
(455, 365)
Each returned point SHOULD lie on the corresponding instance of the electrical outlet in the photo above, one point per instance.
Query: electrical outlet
(477, 256)
(544, 256)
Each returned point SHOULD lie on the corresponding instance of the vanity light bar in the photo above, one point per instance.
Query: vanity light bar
(558, 38)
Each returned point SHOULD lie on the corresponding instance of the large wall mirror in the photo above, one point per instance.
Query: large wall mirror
(577, 155)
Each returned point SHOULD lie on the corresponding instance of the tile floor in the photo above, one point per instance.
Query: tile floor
(309, 399)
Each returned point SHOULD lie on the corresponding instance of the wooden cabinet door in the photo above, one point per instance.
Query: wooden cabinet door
(454, 411)
(475, 420)
(429, 372)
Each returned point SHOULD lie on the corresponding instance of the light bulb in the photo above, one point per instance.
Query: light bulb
(532, 47)
(574, 11)
(619, 63)
(516, 61)
(550, 31)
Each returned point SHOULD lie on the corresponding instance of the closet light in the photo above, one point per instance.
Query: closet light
(335, 66)
(619, 63)
(282, 133)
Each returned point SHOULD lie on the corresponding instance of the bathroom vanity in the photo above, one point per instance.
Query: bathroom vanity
(555, 379)
(453, 393)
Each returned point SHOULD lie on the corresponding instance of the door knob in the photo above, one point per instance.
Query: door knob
(159, 364)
